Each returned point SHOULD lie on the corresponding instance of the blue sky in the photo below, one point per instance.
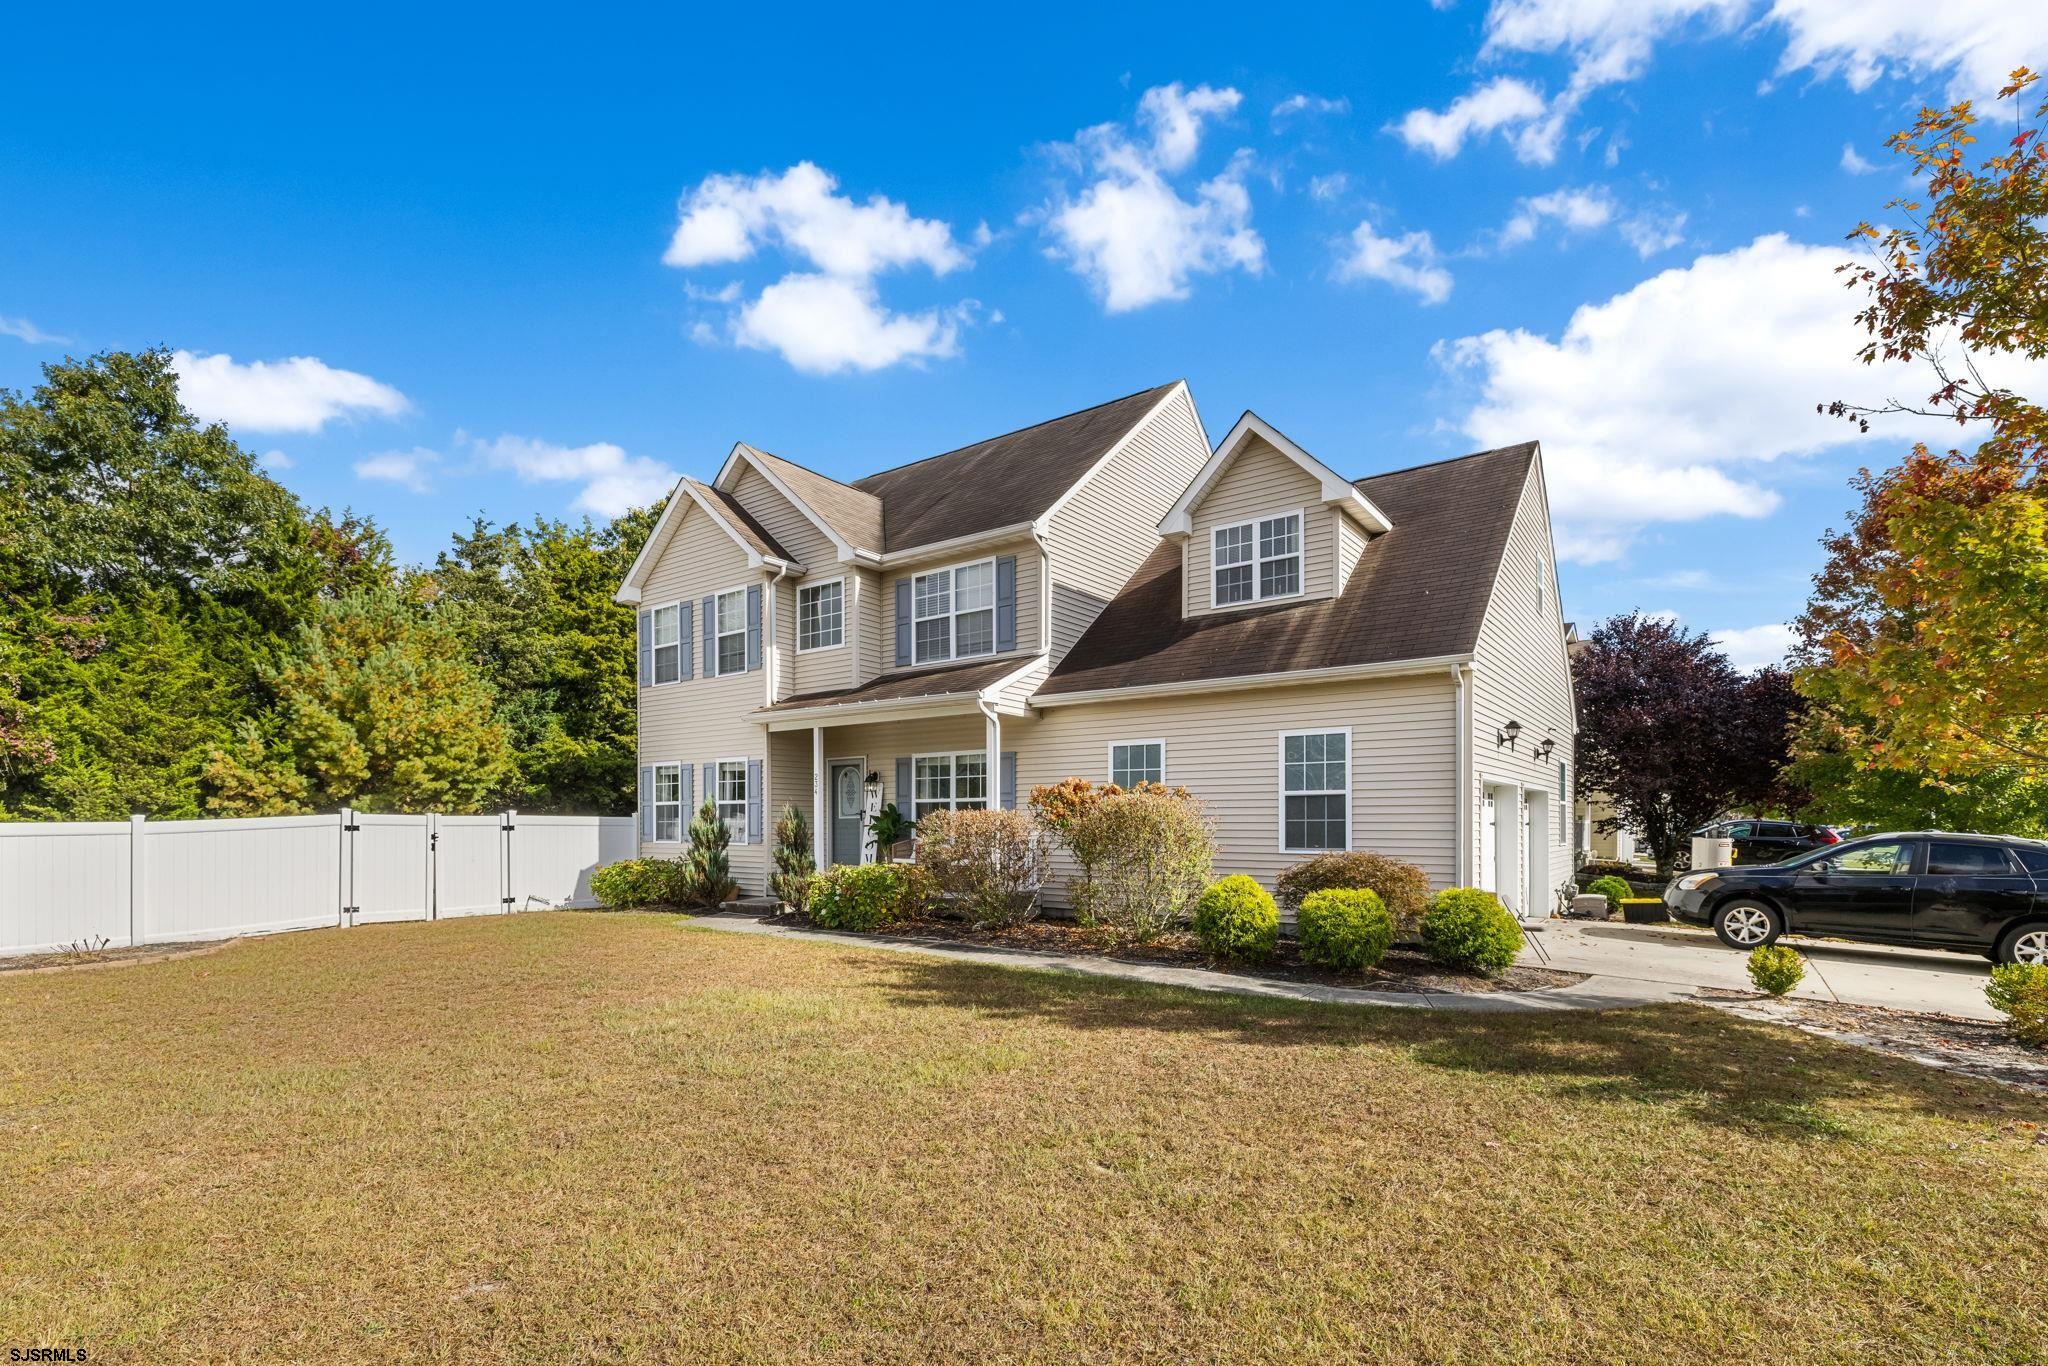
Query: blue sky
(493, 264)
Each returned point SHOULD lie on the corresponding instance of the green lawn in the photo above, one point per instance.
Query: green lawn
(618, 1137)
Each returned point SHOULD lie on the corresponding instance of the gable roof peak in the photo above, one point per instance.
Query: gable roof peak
(1337, 491)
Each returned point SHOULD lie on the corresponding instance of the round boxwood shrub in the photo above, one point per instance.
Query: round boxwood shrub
(1467, 927)
(1614, 889)
(1347, 928)
(2019, 991)
(867, 896)
(1775, 968)
(1235, 918)
(639, 882)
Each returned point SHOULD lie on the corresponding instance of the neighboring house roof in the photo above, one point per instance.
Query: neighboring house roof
(1419, 591)
(856, 516)
(937, 682)
(1001, 481)
(750, 531)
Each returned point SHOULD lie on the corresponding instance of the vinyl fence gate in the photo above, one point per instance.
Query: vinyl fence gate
(146, 882)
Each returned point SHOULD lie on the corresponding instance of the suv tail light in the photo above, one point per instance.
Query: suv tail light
(1825, 835)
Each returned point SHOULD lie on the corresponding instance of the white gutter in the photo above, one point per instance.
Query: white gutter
(932, 550)
(934, 704)
(1238, 682)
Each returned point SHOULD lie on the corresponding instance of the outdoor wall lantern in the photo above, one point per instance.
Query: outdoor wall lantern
(873, 782)
(1505, 737)
(1543, 750)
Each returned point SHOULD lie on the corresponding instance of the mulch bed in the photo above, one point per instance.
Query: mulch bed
(1403, 969)
(106, 958)
(1977, 1048)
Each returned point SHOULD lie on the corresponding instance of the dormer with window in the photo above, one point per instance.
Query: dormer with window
(1265, 523)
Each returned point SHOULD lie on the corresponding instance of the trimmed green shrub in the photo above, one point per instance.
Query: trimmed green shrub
(990, 863)
(795, 866)
(1403, 888)
(1236, 919)
(1615, 889)
(867, 896)
(639, 882)
(2019, 991)
(1467, 927)
(1346, 928)
(1775, 968)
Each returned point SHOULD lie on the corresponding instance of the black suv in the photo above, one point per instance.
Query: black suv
(1758, 841)
(1972, 893)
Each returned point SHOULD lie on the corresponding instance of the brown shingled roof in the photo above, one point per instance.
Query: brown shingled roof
(1001, 481)
(742, 521)
(935, 682)
(855, 515)
(1418, 591)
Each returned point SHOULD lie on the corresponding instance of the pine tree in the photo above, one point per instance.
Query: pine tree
(707, 875)
(790, 883)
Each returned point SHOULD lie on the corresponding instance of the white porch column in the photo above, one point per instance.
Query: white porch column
(821, 830)
(995, 758)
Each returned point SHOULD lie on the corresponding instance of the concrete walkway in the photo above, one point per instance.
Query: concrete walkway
(1682, 958)
(1595, 993)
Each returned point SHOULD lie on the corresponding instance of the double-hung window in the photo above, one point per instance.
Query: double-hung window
(732, 796)
(1256, 560)
(668, 643)
(1137, 761)
(732, 631)
(953, 612)
(1315, 790)
(668, 803)
(956, 782)
(820, 615)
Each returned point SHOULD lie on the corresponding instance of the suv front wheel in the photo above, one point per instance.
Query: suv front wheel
(1747, 925)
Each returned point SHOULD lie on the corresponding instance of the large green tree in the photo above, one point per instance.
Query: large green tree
(378, 708)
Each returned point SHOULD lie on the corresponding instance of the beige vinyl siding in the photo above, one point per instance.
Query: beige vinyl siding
(789, 782)
(1260, 482)
(874, 648)
(1017, 692)
(831, 667)
(1350, 545)
(1521, 673)
(1224, 748)
(1104, 531)
(703, 720)
(784, 521)
(1028, 598)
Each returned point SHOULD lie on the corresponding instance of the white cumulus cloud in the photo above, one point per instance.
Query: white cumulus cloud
(1407, 262)
(298, 394)
(1668, 401)
(1853, 162)
(613, 481)
(1750, 648)
(275, 460)
(1576, 210)
(1506, 105)
(407, 469)
(24, 330)
(1132, 232)
(1310, 104)
(828, 316)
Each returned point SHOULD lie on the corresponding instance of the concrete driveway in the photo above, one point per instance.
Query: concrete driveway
(1857, 974)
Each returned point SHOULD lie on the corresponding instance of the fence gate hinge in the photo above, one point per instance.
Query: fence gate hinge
(351, 828)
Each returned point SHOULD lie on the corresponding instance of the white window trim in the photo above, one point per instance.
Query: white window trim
(711, 669)
(1110, 750)
(654, 650)
(838, 644)
(719, 803)
(953, 612)
(1280, 782)
(677, 769)
(1259, 560)
(953, 757)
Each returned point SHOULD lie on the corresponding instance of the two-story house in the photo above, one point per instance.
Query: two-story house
(1327, 663)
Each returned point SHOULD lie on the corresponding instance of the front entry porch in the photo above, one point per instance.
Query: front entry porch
(843, 774)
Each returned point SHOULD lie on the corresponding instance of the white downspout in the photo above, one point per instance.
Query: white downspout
(1044, 591)
(820, 848)
(772, 647)
(1461, 676)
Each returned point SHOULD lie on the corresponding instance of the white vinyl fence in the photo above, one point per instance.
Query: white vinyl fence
(155, 882)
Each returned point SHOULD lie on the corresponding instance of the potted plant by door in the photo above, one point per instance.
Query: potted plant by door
(890, 828)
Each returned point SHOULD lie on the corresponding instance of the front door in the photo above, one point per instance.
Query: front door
(846, 811)
(1866, 889)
